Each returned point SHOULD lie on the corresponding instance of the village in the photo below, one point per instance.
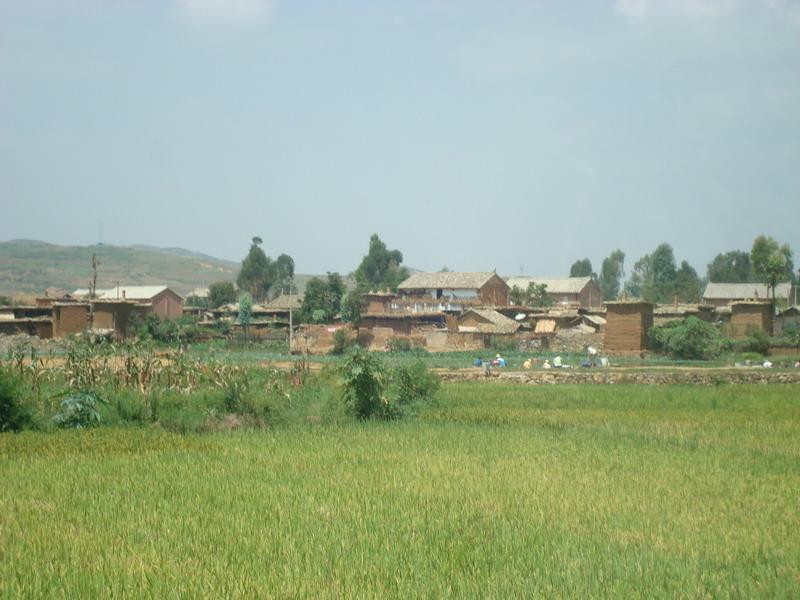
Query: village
(435, 312)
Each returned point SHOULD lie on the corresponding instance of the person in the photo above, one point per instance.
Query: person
(557, 362)
(546, 364)
(797, 365)
(766, 364)
(592, 352)
(499, 361)
(527, 364)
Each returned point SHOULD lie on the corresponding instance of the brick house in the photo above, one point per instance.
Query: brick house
(487, 288)
(150, 299)
(572, 292)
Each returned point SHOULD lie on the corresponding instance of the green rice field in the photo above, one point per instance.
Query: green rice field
(495, 491)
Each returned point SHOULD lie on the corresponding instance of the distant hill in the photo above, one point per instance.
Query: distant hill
(28, 267)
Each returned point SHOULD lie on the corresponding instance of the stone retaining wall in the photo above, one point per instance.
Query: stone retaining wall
(610, 377)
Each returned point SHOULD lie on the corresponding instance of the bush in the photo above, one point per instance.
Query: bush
(757, 340)
(183, 330)
(400, 345)
(691, 339)
(78, 411)
(364, 381)
(415, 383)
(14, 413)
(341, 343)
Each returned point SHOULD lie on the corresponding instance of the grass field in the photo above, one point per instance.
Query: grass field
(496, 491)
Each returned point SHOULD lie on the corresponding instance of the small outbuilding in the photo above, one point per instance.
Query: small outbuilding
(487, 321)
(747, 316)
(789, 318)
(628, 324)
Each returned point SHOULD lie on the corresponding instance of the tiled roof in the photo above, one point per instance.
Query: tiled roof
(745, 291)
(555, 285)
(130, 292)
(497, 323)
(446, 280)
(286, 302)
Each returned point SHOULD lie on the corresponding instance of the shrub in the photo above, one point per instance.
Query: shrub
(415, 383)
(15, 415)
(400, 344)
(364, 378)
(234, 382)
(78, 411)
(757, 340)
(689, 339)
(183, 330)
(341, 342)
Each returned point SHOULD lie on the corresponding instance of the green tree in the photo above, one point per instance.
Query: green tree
(538, 296)
(653, 276)
(611, 274)
(518, 296)
(772, 263)
(352, 305)
(284, 275)
(221, 292)
(664, 273)
(245, 311)
(323, 299)
(640, 278)
(730, 267)
(380, 268)
(687, 283)
(257, 273)
(582, 268)
(533, 295)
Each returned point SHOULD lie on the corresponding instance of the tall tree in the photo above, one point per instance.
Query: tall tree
(730, 267)
(380, 268)
(582, 268)
(664, 273)
(322, 300)
(245, 312)
(772, 263)
(653, 276)
(284, 275)
(257, 273)
(640, 281)
(687, 283)
(221, 292)
(611, 274)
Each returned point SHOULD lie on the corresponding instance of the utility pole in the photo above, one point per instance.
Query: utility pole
(290, 330)
(93, 284)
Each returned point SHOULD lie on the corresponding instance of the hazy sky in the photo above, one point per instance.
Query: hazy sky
(472, 134)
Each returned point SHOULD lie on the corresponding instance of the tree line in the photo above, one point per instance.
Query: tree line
(262, 279)
(657, 277)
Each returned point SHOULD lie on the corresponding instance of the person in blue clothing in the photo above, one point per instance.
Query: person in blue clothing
(499, 361)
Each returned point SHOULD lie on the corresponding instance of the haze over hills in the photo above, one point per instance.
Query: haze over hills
(28, 267)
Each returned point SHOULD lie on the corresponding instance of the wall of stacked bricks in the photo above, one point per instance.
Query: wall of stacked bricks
(746, 316)
(70, 319)
(627, 326)
(111, 316)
